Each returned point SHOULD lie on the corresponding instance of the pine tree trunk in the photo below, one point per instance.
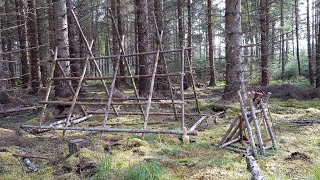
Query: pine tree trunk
(8, 37)
(43, 38)
(297, 34)
(180, 23)
(143, 46)
(3, 73)
(310, 63)
(211, 42)
(61, 41)
(23, 42)
(283, 64)
(264, 20)
(75, 66)
(33, 44)
(318, 59)
(234, 69)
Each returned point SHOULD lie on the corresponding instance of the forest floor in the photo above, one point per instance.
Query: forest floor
(123, 156)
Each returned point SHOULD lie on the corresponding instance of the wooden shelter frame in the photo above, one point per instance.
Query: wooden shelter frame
(241, 131)
(72, 119)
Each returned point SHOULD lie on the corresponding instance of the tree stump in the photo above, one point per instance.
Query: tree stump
(4, 97)
(76, 144)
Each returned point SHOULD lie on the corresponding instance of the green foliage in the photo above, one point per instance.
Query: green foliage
(221, 161)
(104, 168)
(145, 171)
(316, 174)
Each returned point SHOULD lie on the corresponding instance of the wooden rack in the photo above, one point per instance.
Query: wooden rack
(109, 101)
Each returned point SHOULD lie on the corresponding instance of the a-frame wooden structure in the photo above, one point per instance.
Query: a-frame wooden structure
(242, 136)
(144, 104)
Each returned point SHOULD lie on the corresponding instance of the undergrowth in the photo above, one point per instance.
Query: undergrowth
(104, 168)
(145, 171)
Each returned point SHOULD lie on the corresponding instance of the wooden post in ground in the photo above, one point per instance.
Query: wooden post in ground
(257, 128)
(182, 86)
(244, 115)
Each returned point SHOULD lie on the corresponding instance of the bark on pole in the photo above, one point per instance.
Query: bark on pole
(61, 41)
(264, 20)
(234, 66)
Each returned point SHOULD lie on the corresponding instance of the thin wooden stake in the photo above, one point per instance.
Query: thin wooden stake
(257, 128)
(266, 119)
(244, 115)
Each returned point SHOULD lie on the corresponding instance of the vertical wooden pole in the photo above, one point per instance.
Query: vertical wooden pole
(182, 87)
(266, 119)
(244, 115)
(257, 128)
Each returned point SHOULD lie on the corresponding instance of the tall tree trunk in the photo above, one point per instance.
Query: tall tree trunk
(264, 20)
(8, 37)
(122, 72)
(234, 69)
(211, 42)
(23, 42)
(75, 66)
(33, 44)
(61, 41)
(158, 12)
(180, 23)
(318, 59)
(189, 6)
(3, 72)
(43, 39)
(297, 34)
(283, 64)
(143, 46)
(310, 63)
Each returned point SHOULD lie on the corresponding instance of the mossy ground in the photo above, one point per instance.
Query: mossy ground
(198, 160)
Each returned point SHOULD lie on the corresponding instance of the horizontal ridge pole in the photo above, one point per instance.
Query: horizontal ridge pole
(139, 113)
(156, 131)
(115, 56)
(111, 77)
(103, 103)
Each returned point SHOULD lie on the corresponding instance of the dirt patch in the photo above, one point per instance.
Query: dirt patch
(289, 91)
(298, 156)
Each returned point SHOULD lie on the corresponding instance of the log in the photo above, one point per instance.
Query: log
(60, 123)
(197, 123)
(226, 135)
(19, 109)
(155, 131)
(235, 149)
(253, 167)
(76, 144)
(230, 142)
(28, 156)
(30, 165)
(151, 113)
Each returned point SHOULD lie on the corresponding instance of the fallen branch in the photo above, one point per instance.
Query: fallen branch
(58, 124)
(304, 121)
(28, 156)
(19, 109)
(253, 167)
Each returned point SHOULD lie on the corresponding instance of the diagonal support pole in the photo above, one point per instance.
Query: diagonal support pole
(92, 58)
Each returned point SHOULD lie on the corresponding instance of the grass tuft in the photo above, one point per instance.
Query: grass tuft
(104, 168)
(145, 171)
(316, 174)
